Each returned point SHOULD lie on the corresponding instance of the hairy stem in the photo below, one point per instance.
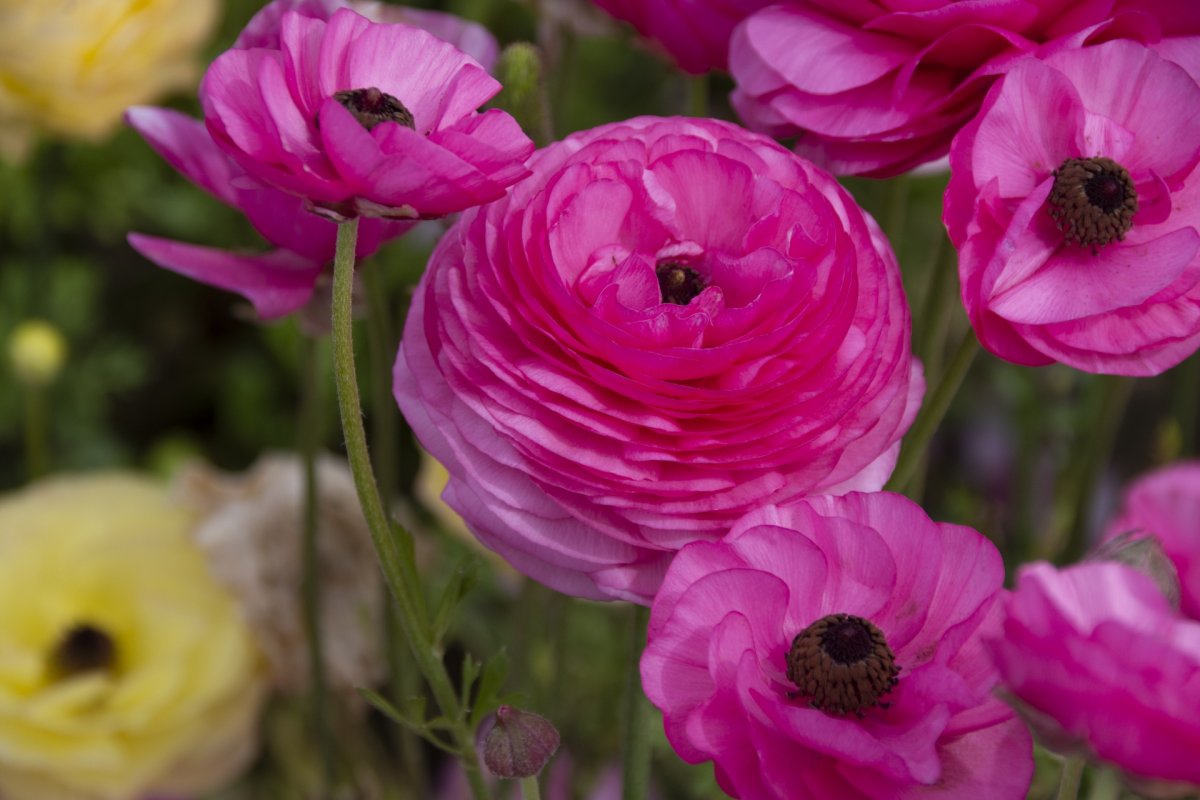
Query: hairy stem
(392, 543)
(635, 755)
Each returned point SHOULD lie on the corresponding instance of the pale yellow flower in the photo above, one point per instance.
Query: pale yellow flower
(125, 669)
(71, 67)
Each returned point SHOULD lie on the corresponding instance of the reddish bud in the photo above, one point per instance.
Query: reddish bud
(519, 743)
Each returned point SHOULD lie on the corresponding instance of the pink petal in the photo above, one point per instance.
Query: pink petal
(277, 283)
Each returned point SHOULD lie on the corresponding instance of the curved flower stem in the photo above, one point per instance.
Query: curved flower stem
(1070, 779)
(37, 451)
(932, 413)
(1095, 452)
(310, 427)
(635, 755)
(698, 96)
(393, 544)
(529, 789)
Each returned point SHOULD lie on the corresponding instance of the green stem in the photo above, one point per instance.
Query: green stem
(529, 788)
(37, 450)
(310, 428)
(1070, 779)
(1187, 404)
(392, 543)
(698, 96)
(383, 408)
(635, 755)
(932, 413)
(1099, 436)
(897, 210)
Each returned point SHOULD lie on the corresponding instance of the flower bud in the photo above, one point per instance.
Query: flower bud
(1143, 552)
(519, 743)
(520, 71)
(37, 351)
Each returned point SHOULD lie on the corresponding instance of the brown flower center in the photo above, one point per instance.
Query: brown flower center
(678, 284)
(842, 664)
(371, 107)
(1093, 201)
(84, 648)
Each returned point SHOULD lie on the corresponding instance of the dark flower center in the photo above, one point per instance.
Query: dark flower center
(371, 107)
(1093, 201)
(84, 648)
(842, 664)
(678, 284)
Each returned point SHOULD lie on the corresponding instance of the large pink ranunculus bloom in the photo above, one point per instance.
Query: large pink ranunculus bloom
(1166, 504)
(276, 282)
(670, 322)
(695, 33)
(1096, 651)
(878, 87)
(832, 648)
(1074, 202)
(364, 118)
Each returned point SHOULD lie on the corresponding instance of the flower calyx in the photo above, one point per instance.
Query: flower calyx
(1093, 201)
(843, 664)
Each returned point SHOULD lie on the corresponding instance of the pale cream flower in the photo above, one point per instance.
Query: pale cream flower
(125, 669)
(71, 67)
(252, 532)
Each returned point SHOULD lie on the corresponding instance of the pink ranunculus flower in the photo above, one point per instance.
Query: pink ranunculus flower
(276, 282)
(364, 118)
(1098, 658)
(695, 33)
(282, 280)
(669, 323)
(832, 648)
(876, 88)
(1166, 504)
(1074, 202)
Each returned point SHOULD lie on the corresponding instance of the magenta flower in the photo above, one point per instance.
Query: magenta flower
(671, 322)
(1097, 657)
(278, 281)
(879, 87)
(1073, 202)
(831, 648)
(695, 33)
(364, 118)
(1166, 504)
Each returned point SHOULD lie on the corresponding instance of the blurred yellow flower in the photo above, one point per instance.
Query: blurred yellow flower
(71, 67)
(125, 669)
(37, 351)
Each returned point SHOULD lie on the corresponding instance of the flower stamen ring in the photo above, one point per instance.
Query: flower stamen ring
(1093, 201)
(372, 107)
(843, 664)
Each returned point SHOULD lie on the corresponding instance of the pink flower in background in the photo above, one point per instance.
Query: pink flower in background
(671, 322)
(877, 88)
(1096, 651)
(364, 118)
(695, 33)
(831, 649)
(278, 281)
(1074, 202)
(265, 27)
(1166, 504)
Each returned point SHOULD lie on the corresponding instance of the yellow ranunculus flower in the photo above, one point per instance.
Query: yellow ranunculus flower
(71, 67)
(125, 670)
